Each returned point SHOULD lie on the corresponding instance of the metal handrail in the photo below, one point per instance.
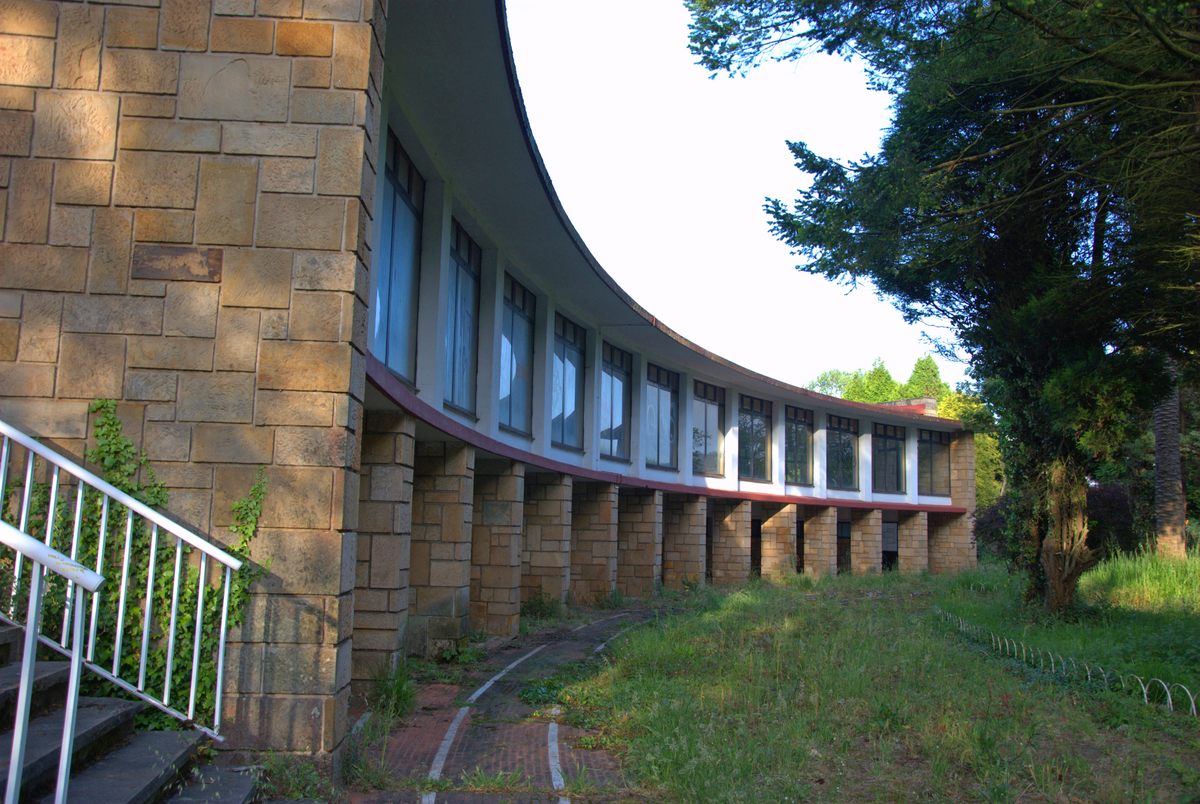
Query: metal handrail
(73, 503)
(83, 580)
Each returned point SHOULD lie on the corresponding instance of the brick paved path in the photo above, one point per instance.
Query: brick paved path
(497, 732)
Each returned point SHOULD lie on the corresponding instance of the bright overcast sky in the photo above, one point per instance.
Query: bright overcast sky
(663, 170)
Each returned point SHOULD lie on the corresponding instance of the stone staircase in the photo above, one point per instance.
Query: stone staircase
(111, 761)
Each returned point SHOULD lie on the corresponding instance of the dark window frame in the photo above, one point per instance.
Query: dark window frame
(888, 447)
(466, 259)
(843, 427)
(569, 338)
(518, 301)
(929, 444)
(704, 396)
(797, 471)
(616, 363)
(664, 380)
(751, 409)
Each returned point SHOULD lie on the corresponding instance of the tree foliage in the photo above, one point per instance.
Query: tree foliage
(1036, 189)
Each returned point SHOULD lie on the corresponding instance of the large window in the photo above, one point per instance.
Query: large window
(887, 459)
(708, 429)
(462, 319)
(516, 357)
(566, 426)
(395, 276)
(797, 446)
(662, 429)
(754, 439)
(841, 453)
(933, 463)
(616, 383)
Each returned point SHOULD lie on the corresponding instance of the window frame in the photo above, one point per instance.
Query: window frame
(660, 381)
(888, 452)
(928, 442)
(466, 261)
(616, 363)
(705, 396)
(797, 419)
(569, 338)
(519, 303)
(846, 426)
(751, 409)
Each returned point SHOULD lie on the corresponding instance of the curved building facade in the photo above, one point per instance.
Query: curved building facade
(318, 236)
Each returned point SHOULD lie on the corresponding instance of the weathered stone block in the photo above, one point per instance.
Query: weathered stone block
(41, 322)
(59, 419)
(234, 8)
(315, 73)
(237, 340)
(233, 87)
(191, 309)
(297, 497)
(230, 443)
(149, 71)
(316, 316)
(218, 397)
(327, 106)
(70, 226)
(232, 35)
(30, 267)
(292, 221)
(150, 179)
(225, 204)
(26, 61)
(112, 232)
(351, 56)
(332, 9)
(326, 366)
(91, 366)
(163, 225)
(184, 354)
(77, 61)
(311, 446)
(184, 24)
(16, 133)
(148, 106)
(28, 17)
(287, 175)
(325, 271)
(274, 325)
(269, 140)
(150, 134)
(151, 386)
(293, 408)
(17, 98)
(304, 39)
(75, 125)
(10, 329)
(132, 27)
(29, 201)
(257, 278)
(182, 263)
(279, 8)
(83, 183)
(339, 161)
(167, 441)
(26, 379)
(113, 314)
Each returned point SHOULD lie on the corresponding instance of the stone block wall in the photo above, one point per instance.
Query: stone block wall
(962, 493)
(384, 540)
(820, 541)
(683, 539)
(593, 541)
(778, 540)
(496, 548)
(913, 541)
(183, 192)
(866, 541)
(440, 578)
(639, 542)
(731, 540)
(546, 539)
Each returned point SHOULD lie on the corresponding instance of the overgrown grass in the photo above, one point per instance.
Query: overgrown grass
(1136, 614)
(392, 696)
(849, 689)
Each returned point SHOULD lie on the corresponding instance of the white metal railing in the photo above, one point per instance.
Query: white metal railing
(131, 632)
(82, 580)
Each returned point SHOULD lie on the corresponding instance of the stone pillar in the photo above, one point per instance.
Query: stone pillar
(731, 540)
(593, 541)
(866, 541)
(546, 544)
(384, 537)
(443, 499)
(913, 533)
(778, 540)
(941, 548)
(639, 542)
(496, 548)
(820, 541)
(683, 539)
(962, 493)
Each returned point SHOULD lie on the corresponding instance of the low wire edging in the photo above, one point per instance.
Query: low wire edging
(1069, 667)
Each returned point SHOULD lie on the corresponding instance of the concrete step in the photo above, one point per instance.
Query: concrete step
(215, 783)
(49, 689)
(11, 637)
(138, 771)
(100, 723)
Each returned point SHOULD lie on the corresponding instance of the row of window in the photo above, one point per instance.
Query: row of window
(393, 338)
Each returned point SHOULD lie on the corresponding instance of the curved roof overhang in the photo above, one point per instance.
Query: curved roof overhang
(455, 80)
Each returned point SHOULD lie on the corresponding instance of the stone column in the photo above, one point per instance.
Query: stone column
(593, 541)
(639, 542)
(778, 540)
(546, 544)
(913, 533)
(443, 499)
(962, 493)
(683, 539)
(731, 540)
(820, 541)
(384, 537)
(866, 541)
(496, 548)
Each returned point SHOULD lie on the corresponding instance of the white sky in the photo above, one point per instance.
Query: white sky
(663, 171)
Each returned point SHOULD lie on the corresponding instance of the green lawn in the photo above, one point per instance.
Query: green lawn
(853, 689)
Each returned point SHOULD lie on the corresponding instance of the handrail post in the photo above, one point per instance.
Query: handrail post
(16, 761)
(72, 709)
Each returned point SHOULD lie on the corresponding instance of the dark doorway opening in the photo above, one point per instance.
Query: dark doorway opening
(843, 547)
(755, 548)
(799, 545)
(891, 546)
(708, 548)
